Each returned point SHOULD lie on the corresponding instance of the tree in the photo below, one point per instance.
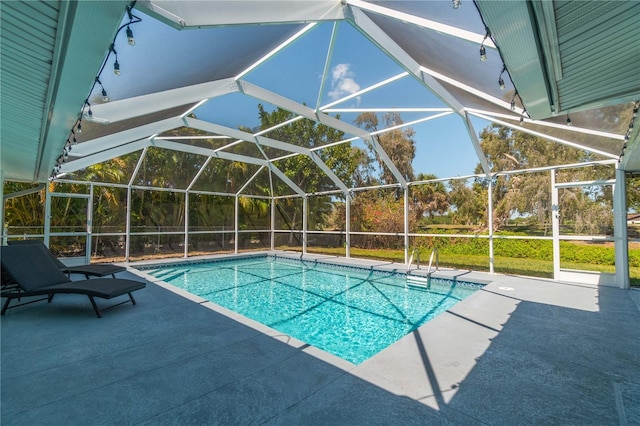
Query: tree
(430, 198)
(469, 202)
(530, 195)
(633, 192)
(398, 144)
(26, 211)
(342, 159)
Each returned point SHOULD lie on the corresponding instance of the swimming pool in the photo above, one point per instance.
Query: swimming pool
(350, 312)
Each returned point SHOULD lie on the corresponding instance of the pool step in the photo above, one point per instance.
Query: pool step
(171, 273)
(418, 280)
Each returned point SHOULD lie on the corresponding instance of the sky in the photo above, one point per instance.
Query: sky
(443, 146)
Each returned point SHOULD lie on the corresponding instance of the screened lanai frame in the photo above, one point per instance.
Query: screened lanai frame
(373, 19)
(272, 231)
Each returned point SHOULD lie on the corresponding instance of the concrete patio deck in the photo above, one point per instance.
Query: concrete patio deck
(520, 351)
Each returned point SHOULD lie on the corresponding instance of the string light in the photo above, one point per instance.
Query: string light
(456, 4)
(522, 118)
(569, 122)
(130, 39)
(105, 97)
(483, 50)
(116, 64)
(86, 106)
(513, 101)
(500, 80)
(627, 135)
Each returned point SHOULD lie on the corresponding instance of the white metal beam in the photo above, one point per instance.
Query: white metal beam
(620, 232)
(105, 155)
(411, 123)
(479, 93)
(276, 171)
(272, 143)
(388, 45)
(195, 178)
(248, 182)
(390, 109)
(273, 52)
(207, 152)
(542, 135)
(275, 99)
(471, 131)
(550, 124)
(365, 90)
(423, 22)
(327, 63)
(116, 139)
(323, 166)
(245, 136)
(239, 134)
(110, 112)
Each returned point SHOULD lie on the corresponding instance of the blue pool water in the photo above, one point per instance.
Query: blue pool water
(350, 312)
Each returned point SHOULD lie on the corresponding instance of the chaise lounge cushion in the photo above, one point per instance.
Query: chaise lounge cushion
(98, 270)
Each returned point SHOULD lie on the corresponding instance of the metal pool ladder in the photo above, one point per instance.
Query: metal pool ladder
(434, 252)
(422, 279)
(413, 252)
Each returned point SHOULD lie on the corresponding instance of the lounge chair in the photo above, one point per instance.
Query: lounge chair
(35, 274)
(96, 270)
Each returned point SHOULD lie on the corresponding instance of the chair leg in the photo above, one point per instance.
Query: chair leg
(50, 297)
(95, 307)
(132, 299)
(6, 305)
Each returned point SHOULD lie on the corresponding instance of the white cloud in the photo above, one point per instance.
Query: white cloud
(342, 82)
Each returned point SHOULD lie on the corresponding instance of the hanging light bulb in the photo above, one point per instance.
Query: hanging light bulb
(501, 83)
(635, 110)
(521, 119)
(456, 3)
(130, 39)
(105, 97)
(513, 102)
(569, 122)
(483, 50)
(88, 106)
(79, 127)
(116, 67)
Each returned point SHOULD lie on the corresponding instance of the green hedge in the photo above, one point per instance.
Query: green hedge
(526, 249)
